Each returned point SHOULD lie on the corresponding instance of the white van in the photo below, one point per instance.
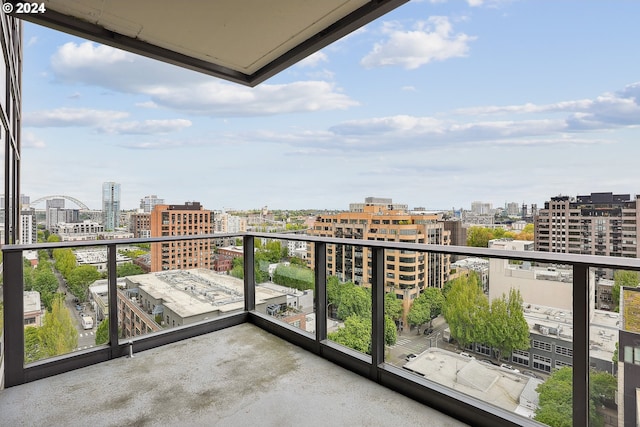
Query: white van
(87, 322)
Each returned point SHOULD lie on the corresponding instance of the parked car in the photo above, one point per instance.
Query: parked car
(428, 331)
(530, 374)
(509, 367)
(78, 307)
(465, 354)
(410, 357)
(489, 362)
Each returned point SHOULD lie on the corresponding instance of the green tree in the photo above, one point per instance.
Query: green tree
(355, 334)
(65, 261)
(622, 278)
(301, 278)
(466, 310)
(436, 300)
(128, 269)
(506, 328)
(419, 312)
(57, 335)
(556, 394)
(392, 306)
(354, 300)
(32, 346)
(479, 236)
(80, 278)
(102, 332)
(390, 331)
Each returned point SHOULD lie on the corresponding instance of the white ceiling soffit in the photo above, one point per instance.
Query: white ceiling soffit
(244, 41)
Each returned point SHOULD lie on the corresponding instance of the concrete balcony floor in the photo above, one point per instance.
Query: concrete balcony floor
(234, 377)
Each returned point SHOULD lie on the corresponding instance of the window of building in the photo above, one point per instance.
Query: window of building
(521, 357)
(542, 363)
(542, 345)
(565, 351)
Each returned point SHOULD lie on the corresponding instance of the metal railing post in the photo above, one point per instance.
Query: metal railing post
(320, 269)
(249, 273)
(13, 318)
(112, 285)
(581, 293)
(377, 310)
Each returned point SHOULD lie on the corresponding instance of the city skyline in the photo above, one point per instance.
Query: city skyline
(436, 104)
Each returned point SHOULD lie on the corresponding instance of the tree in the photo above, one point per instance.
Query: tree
(392, 306)
(355, 334)
(466, 310)
(435, 298)
(65, 261)
(80, 279)
(506, 328)
(301, 278)
(57, 335)
(354, 300)
(419, 312)
(390, 331)
(102, 332)
(479, 237)
(556, 394)
(622, 278)
(128, 269)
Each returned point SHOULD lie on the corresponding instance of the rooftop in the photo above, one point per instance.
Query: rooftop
(237, 376)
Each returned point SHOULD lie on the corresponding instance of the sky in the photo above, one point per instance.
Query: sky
(436, 104)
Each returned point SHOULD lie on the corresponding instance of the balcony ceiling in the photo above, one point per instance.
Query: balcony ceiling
(244, 41)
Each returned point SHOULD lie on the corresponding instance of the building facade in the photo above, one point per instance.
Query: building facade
(181, 220)
(140, 225)
(147, 203)
(110, 205)
(28, 227)
(406, 273)
(595, 224)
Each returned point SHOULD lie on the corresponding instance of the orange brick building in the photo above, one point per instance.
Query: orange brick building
(181, 220)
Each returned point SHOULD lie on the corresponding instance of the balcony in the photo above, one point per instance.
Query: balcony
(238, 367)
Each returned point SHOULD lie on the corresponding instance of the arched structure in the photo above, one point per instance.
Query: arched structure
(58, 196)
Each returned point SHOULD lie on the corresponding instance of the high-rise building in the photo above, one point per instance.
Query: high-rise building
(54, 213)
(148, 202)
(406, 272)
(595, 224)
(110, 205)
(181, 220)
(28, 227)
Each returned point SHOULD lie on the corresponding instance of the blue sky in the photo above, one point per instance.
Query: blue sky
(436, 104)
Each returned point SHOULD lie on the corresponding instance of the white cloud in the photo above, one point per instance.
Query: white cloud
(30, 140)
(431, 40)
(607, 111)
(147, 127)
(177, 88)
(33, 40)
(66, 117)
(313, 60)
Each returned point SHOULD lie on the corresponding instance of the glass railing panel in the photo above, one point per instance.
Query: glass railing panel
(189, 281)
(285, 284)
(349, 299)
(58, 315)
(616, 335)
(495, 330)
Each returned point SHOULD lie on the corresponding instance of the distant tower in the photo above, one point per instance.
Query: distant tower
(148, 202)
(110, 205)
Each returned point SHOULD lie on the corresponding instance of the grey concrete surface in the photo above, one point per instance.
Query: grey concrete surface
(239, 376)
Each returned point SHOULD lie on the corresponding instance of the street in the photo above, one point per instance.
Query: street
(412, 342)
(86, 338)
